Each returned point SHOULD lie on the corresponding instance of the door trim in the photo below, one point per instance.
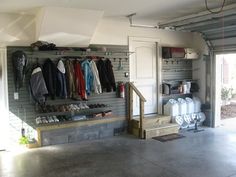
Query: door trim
(158, 65)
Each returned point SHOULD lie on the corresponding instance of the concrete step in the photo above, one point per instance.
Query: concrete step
(152, 120)
(160, 130)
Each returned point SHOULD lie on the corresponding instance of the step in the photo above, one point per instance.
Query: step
(153, 120)
(161, 130)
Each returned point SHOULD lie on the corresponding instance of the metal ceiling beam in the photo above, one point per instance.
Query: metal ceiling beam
(207, 27)
(229, 19)
(202, 16)
(219, 30)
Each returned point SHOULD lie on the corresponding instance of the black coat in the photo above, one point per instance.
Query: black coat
(110, 76)
(102, 71)
(50, 76)
(106, 75)
(19, 62)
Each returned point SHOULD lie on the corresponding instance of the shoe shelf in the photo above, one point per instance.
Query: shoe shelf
(87, 111)
(63, 113)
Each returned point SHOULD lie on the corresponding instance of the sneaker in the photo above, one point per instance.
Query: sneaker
(85, 106)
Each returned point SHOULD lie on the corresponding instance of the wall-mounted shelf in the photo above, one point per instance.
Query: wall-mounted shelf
(68, 53)
(176, 70)
(177, 94)
(178, 59)
(179, 80)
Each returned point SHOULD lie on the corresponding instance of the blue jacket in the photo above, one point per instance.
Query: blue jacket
(88, 76)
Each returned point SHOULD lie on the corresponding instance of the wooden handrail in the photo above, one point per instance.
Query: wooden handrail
(141, 106)
(137, 91)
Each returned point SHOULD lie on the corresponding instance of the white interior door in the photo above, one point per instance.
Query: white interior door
(143, 72)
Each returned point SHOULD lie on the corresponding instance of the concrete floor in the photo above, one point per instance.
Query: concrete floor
(206, 154)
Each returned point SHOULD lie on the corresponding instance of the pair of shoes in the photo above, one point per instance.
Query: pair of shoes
(107, 113)
(97, 106)
(97, 115)
(83, 106)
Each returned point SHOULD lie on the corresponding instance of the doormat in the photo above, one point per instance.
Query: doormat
(169, 137)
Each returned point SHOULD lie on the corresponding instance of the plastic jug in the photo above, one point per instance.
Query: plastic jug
(190, 105)
(182, 106)
(171, 108)
(197, 104)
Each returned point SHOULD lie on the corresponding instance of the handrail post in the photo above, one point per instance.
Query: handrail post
(132, 89)
(141, 102)
(130, 116)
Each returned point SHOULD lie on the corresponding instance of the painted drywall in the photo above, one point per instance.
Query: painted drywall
(199, 66)
(3, 101)
(67, 26)
(116, 31)
(16, 29)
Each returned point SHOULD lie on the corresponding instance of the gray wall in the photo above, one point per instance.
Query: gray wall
(22, 111)
(174, 71)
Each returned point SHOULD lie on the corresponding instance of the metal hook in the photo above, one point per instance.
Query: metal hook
(120, 67)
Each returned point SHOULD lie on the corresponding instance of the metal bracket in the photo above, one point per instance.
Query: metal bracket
(130, 17)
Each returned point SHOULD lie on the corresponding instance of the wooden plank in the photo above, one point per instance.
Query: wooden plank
(160, 131)
(149, 121)
(79, 123)
(135, 132)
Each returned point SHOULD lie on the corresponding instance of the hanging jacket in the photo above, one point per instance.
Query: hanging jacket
(38, 86)
(61, 90)
(96, 86)
(19, 62)
(70, 78)
(79, 81)
(110, 75)
(102, 71)
(88, 76)
(50, 76)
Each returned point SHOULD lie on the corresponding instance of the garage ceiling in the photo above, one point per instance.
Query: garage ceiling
(151, 10)
(219, 29)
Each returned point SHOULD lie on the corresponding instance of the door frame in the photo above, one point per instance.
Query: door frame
(158, 65)
(214, 85)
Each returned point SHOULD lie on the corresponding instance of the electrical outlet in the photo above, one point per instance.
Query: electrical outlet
(16, 96)
(126, 74)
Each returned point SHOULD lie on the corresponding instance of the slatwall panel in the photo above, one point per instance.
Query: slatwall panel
(25, 102)
(176, 69)
(173, 71)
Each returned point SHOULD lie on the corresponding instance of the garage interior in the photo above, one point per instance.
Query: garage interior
(117, 88)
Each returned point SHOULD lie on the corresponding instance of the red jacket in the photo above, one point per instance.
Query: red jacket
(79, 81)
